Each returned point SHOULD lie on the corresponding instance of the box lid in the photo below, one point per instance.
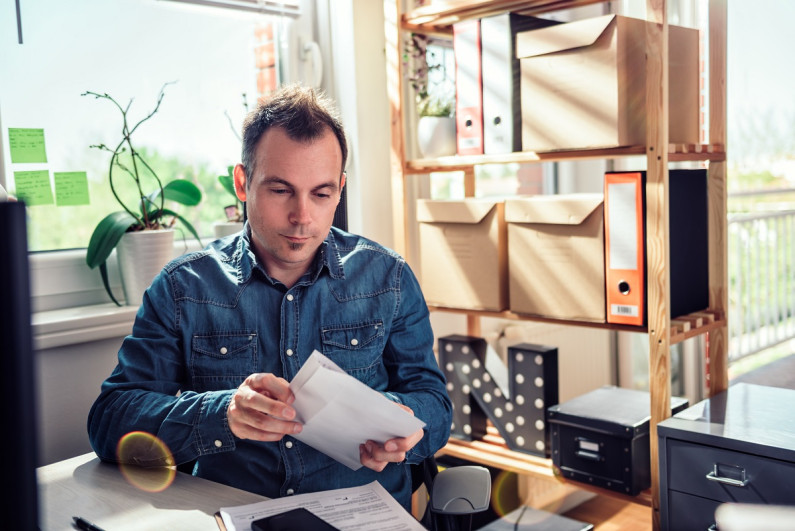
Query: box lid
(565, 209)
(624, 413)
(561, 37)
(451, 211)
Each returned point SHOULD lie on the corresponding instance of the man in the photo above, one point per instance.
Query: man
(221, 332)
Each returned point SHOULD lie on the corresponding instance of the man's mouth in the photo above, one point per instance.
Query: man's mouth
(297, 239)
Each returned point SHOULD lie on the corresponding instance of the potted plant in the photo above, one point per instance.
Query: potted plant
(234, 211)
(435, 102)
(142, 232)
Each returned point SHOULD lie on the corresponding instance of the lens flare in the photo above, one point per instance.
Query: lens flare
(145, 461)
(503, 493)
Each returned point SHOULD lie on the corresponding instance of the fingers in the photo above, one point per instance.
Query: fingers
(376, 456)
(260, 409)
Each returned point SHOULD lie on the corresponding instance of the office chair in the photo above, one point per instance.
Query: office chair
(455, 494)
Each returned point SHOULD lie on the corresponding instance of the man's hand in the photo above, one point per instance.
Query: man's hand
(260, 409)
(376, 456)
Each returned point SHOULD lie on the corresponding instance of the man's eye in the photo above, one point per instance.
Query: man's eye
(280, 191)
(323, 196)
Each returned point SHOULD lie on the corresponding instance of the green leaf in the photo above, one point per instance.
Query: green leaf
(182, 191)
(228, 184)
(103, 271)
(184, 222)
(106, 236)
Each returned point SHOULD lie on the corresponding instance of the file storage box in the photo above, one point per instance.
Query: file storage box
(584, 84)
(602, 438)
(463, 253)
(556, 256)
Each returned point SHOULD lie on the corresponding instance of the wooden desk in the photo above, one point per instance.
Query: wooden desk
(83, 486)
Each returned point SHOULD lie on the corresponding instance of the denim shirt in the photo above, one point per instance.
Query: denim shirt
(212, 318)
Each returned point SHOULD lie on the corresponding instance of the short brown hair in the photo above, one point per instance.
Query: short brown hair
(303, 112)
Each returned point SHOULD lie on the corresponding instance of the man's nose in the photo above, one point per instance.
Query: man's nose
(300, 213)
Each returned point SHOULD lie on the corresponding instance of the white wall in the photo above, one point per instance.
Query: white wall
(67, 383)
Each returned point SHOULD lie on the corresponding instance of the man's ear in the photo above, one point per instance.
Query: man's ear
(342, 183)
(240, 182)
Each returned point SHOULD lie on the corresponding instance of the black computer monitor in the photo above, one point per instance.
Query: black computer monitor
(18, 444)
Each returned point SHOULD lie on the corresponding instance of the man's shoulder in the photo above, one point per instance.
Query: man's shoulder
(349, 245)
(218, 255)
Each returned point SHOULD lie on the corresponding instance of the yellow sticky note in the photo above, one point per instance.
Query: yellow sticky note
(26, 145)
(71, 188)
(33, 187)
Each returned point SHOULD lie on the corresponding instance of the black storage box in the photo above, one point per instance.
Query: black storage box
(602, 438)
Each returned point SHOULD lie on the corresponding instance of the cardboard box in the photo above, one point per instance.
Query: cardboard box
(463, 253)
(556, 256)
(584, 84)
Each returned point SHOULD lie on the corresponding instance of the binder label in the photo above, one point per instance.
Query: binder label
(623, 252)
(623, 309)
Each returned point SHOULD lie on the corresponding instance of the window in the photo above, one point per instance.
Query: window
(217, 61)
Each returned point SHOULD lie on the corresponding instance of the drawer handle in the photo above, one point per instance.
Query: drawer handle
(715, 476)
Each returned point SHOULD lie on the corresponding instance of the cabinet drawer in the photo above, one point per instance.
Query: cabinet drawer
(687, 512)
(736, 476)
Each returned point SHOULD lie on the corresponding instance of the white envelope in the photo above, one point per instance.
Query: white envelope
(339, 412)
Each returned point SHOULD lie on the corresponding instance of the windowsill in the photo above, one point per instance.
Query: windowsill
(69, 326)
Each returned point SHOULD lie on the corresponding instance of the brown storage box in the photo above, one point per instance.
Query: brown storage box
(556, 256)
(584, 84)
(463, 253)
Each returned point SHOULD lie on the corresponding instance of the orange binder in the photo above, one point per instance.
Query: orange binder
(625, 268)
(468, 87)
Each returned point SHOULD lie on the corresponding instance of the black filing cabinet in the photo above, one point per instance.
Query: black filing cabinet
(738, 446)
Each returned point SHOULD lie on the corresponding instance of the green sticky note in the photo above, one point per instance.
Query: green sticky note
(27, 145)
(71, 188)
(33, 187)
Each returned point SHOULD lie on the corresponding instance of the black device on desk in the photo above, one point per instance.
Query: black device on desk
(294, 519)
(18, 449)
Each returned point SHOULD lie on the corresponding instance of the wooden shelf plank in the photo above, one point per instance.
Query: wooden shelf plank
(441, 15)
(680, 152)
(492, 451)
(698, 322)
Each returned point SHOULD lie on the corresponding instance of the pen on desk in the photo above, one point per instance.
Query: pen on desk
(85, 525)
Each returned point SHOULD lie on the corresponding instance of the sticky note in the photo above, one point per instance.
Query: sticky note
(26, 145)
(33, 187)
(71, 188)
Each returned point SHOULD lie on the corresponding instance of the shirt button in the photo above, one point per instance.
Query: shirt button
(223, 350)
(290, 297)
(354, 341)
(289, 352)
(290, 492)
(288, 444)
(218, 443)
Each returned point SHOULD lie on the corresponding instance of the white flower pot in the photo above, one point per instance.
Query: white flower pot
(436, 136)
(225, 228)
(141, 256)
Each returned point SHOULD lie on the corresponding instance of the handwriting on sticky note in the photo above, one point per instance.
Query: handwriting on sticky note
(33, 187)
(71, 188)
(26, 145)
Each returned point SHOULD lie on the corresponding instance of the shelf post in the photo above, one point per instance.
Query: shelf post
(658, 297)
(718, 231)
(397, 152)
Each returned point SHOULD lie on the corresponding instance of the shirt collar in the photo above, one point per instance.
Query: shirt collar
(328, 256)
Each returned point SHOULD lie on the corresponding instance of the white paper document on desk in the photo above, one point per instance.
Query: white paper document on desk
(355, 508)
(339, 412)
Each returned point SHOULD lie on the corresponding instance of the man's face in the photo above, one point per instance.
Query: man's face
(291, 200)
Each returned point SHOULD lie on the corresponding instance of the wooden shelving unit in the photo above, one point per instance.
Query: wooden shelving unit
(663, 331)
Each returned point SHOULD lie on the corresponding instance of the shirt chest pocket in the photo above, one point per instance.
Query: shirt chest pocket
(222, 360)
(355, 347)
